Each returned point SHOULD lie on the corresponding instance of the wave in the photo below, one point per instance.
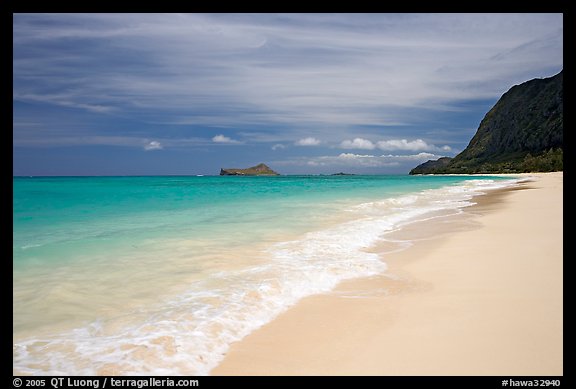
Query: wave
(190, 334)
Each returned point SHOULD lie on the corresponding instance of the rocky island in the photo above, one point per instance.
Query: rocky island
(258, 170)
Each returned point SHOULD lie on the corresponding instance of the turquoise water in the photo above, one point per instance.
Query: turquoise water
(158, 275)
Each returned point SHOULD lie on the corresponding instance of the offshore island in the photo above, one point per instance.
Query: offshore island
(258, 170)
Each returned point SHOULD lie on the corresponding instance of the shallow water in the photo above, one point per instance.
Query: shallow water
(158, 275)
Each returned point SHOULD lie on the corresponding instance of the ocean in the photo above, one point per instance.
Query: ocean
(159, 275)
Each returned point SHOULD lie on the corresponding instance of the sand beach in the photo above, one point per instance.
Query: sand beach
(477, 294)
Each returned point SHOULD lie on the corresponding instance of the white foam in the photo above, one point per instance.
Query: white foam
(29, 246)
(190, 334)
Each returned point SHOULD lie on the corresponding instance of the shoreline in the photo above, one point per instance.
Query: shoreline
(441, 308)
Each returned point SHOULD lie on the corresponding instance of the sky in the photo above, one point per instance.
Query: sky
(185, 94)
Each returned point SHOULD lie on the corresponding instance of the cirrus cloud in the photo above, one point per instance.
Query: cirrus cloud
(259, 68)
(394, 83)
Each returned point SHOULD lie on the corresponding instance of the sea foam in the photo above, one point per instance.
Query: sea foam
(190, 333)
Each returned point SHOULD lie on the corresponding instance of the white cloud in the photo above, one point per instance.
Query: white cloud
(362, 160)
(412, 145)
(153, 145)
(224, 139)
(403, 144)
(378, 160)
(358, 143)
(278, 146)
(392, 145)
(412, 157)
(310, 141)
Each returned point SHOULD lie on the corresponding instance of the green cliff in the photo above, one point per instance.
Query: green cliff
(431, 165)
(523, 132)
(258, 170)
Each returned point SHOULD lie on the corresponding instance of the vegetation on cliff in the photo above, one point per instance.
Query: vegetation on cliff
(523, 132)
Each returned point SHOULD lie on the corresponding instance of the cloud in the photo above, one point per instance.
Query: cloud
(392, 145)
(358, 143)
(403, 144)
(359, 160)
(362, 160)
(81, 139)
(63, 100)
(310, 141)
(224, 139)
(377, 160)
(278, 146)
(152, 145)
(351, 78)
(303, 69)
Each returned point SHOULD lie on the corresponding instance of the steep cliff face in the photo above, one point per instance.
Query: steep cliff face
(522, 132)
(258, 170)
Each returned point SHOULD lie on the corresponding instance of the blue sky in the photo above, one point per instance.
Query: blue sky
(139, 94)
